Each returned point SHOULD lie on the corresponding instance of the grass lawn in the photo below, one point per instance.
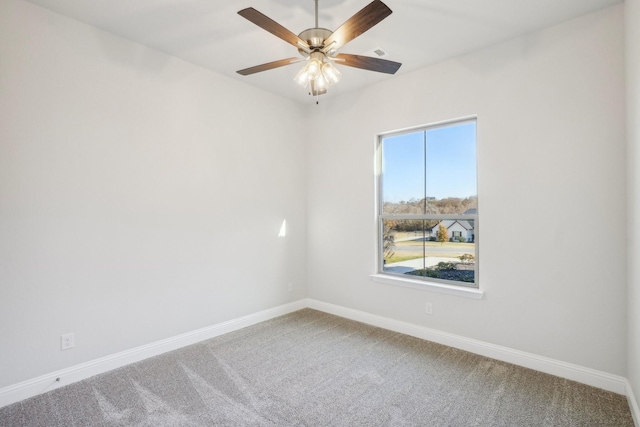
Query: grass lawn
(399, 256)
(412, 249)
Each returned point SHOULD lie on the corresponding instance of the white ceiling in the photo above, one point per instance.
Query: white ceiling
(211, 34)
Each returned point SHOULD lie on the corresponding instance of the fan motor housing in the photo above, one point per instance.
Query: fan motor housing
(315, 37)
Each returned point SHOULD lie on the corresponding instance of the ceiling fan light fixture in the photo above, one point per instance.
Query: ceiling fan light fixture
(314, 71)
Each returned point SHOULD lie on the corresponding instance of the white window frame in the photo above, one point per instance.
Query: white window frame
(469, 290)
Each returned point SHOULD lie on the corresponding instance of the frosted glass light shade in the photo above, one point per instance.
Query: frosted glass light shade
(302, 78)
(321, 83)
(331, 74)
(313, 68)
(318, 88)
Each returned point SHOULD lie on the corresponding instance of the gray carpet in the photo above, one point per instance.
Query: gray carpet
(314, 369)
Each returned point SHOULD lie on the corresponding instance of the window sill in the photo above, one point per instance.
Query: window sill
(429, 286)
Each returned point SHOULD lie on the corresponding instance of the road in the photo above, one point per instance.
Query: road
(417, 249)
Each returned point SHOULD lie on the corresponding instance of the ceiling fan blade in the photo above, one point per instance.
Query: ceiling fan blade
(268, 66)
(273, 27)
(362, 21)
(368, 63)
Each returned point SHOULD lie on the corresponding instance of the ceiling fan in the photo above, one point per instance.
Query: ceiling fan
(319, 46)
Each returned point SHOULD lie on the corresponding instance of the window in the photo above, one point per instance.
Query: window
(428, 204)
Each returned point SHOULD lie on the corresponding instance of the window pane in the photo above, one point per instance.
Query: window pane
(451, 169)
(403, 244)
(429, 248)
(403, 173)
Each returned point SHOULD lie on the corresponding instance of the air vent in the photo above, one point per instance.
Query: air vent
(381, 53)
(376, 52)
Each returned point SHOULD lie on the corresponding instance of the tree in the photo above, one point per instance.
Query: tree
(442, 235)
(431, 205)
(388, 240)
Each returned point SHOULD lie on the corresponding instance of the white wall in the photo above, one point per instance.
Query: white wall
(632, 17)
(551, 156)
(140, 196)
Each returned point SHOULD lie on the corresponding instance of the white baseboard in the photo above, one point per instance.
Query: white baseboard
(44, 383)
(603, 380)
(633, 405)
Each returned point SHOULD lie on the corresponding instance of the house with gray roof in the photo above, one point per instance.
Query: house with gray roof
(457, 228)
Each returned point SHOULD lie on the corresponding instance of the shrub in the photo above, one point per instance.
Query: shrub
(446, 265)
(429, 272)
(467, 258)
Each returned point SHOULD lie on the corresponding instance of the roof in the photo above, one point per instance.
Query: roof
(467, 225)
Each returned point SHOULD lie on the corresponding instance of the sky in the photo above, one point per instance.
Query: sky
(450, 166)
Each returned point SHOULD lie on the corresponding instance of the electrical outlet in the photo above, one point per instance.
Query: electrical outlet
(428, 308)
(67, 341)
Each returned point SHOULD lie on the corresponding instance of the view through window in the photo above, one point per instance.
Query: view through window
(428, 204)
